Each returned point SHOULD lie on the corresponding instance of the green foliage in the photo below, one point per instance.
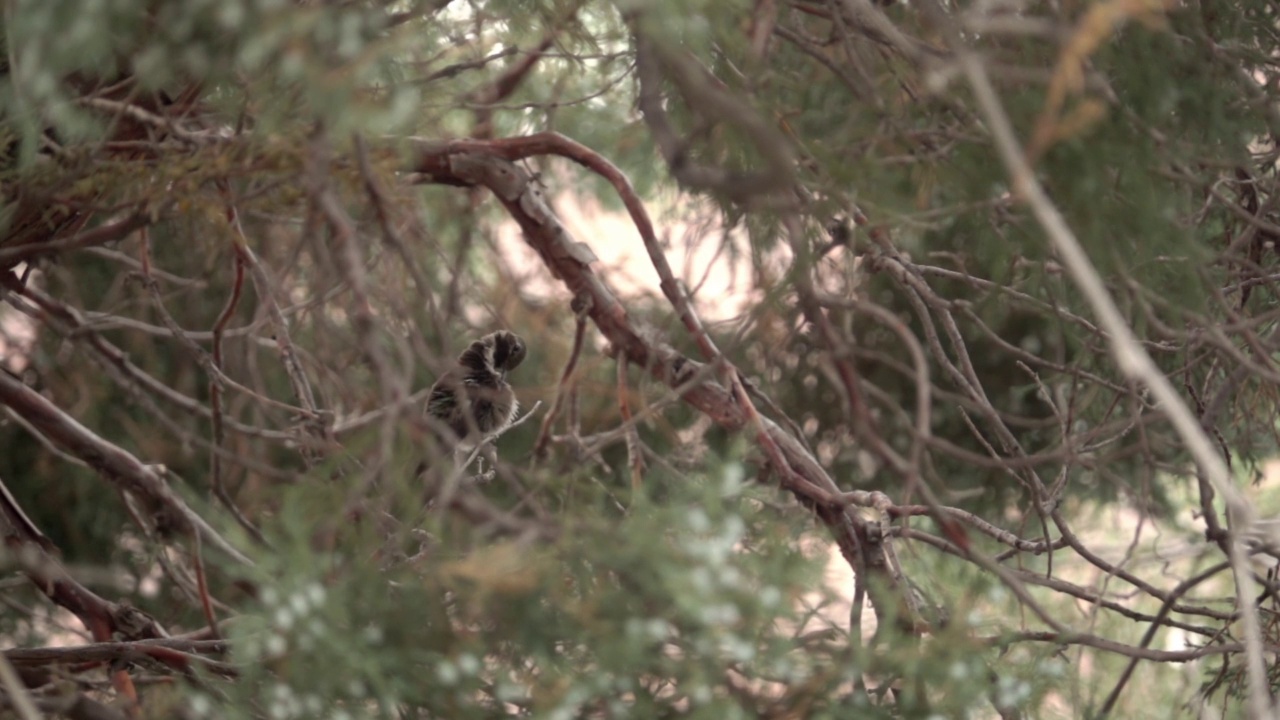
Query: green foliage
(257, 137)
(588, 621)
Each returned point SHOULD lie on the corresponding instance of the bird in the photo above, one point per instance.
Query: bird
(472, 402)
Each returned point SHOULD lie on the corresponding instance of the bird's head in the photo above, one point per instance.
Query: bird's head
(508, 350)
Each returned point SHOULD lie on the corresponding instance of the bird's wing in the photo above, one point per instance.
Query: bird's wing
(443, 399)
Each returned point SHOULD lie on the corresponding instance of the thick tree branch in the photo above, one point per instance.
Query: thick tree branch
(470, 163)
(116, 465)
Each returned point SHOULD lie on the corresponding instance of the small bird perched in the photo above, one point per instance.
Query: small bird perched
(473, 400)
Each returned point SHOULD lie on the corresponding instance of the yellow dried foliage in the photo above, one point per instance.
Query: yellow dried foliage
(1098, 24)
(505, 569)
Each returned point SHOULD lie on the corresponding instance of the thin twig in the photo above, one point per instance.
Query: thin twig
(202, 588)
(562, 389)
(314, 421)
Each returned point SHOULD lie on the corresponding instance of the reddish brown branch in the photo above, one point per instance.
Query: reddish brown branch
(202, 588)
(557, 144)
(212, 365)
(219, 330)
(216, 480)
(125, 688)
(635, 458)
(471, 163)
(818, 488)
